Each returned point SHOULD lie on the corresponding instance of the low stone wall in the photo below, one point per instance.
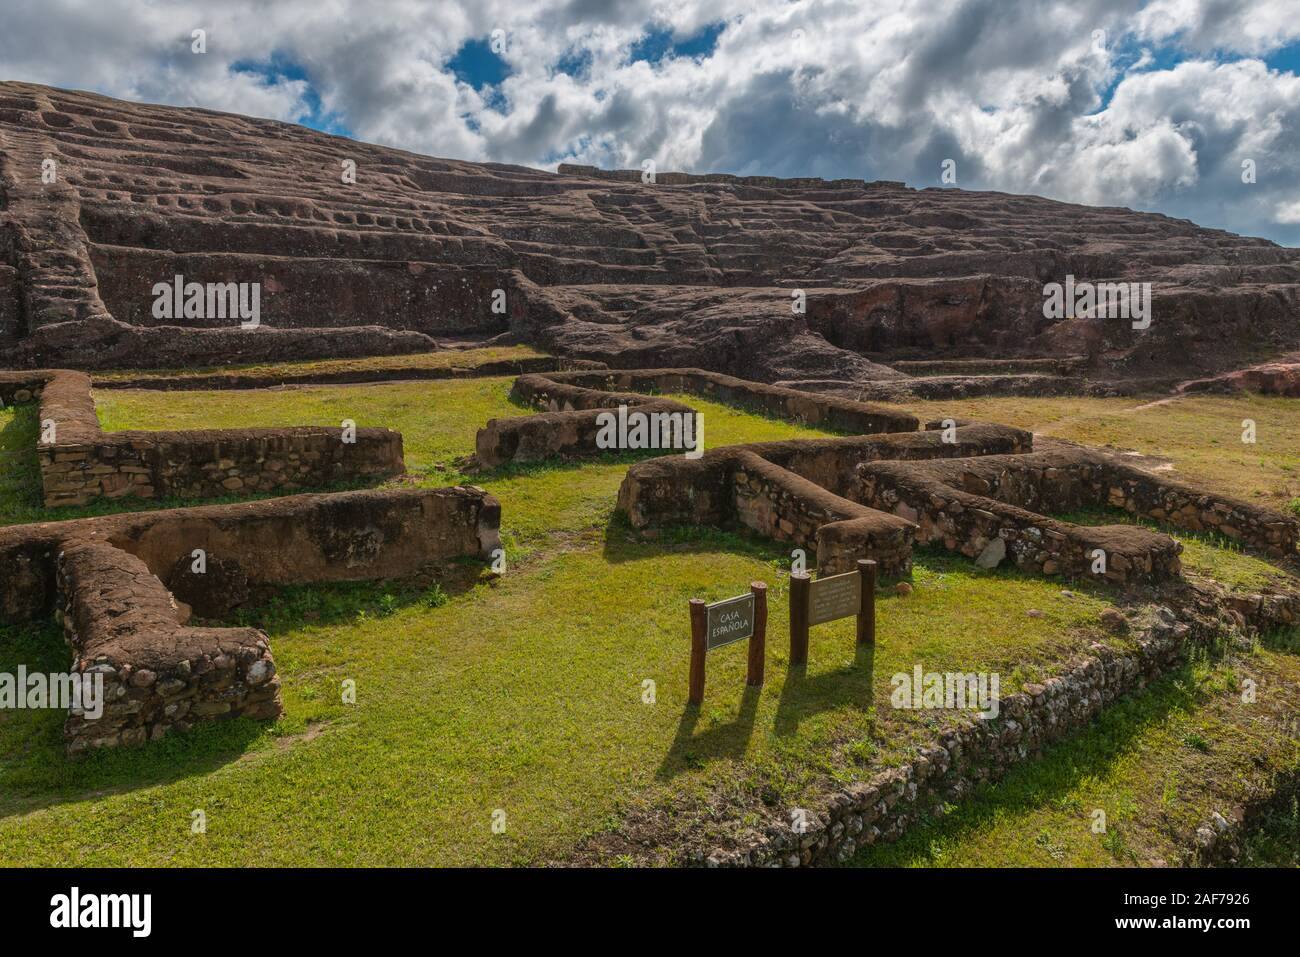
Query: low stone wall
(84, 463)
(1069, 478)
(109, 579)
(371, 534)
(831, 463)
(677, 490)
(158, 675)
(20, 387)
(277, 376)
(680, 491)
(989, 530)
(789, 491)
(574, 400)
(534, 438)
(778, 504)
(1185, 506)
(563, 390)
(954, 764)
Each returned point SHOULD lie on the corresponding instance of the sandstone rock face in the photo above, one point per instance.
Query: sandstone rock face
(700, 271)
(1268, 378)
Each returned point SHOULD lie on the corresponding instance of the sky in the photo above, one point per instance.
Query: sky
(1164, 105)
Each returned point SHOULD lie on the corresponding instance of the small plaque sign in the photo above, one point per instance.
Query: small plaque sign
(835, 597)
(730, 620)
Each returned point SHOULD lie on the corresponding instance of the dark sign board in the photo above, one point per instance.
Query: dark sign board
(730, 620)
(835, 597)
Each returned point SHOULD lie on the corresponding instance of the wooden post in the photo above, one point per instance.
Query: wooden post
(867, 613)
(699, 625)
(800, 583)
(758, 643)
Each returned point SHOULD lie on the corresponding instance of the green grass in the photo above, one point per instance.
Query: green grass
(494, 699)
(438, 422)
(523, 695)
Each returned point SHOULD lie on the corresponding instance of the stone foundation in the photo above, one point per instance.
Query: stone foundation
(954, 764)
(109, 579)
(788, 491)
(968, 504)
(158, 674)
(84, 463)
(567, 390)
(573, 400)
(990, 531)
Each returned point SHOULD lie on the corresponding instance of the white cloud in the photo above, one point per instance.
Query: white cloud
(1012, 90)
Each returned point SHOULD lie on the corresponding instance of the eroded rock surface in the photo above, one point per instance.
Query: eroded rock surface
(689, 270)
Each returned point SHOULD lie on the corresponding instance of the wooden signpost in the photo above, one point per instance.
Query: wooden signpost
(826, 599)
(722, 623)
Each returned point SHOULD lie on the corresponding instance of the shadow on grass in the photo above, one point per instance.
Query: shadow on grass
(728, 740)
(286, 608)
(22, 505)
(35, 773)
(1286, 640)
(561, 464)
(692, 539)
(1088, 753)
(20, 474)
(802, 697)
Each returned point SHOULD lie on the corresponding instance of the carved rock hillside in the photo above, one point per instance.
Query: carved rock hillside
(689, 270)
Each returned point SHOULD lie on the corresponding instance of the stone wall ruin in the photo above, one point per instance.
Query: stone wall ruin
(84, 463)
(975, 488)
(124, 588)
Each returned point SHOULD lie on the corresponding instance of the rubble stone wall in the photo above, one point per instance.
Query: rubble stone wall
(990, 530)
(956, 762)
(124, 587)
(831, 463)
(779, 504)
(158, 674)
(832, 412)
(84, 463)
(1066, 479)
(574, 400)
(371, 534)
(534, 438)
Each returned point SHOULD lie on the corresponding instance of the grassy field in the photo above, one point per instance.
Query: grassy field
(524, 696)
